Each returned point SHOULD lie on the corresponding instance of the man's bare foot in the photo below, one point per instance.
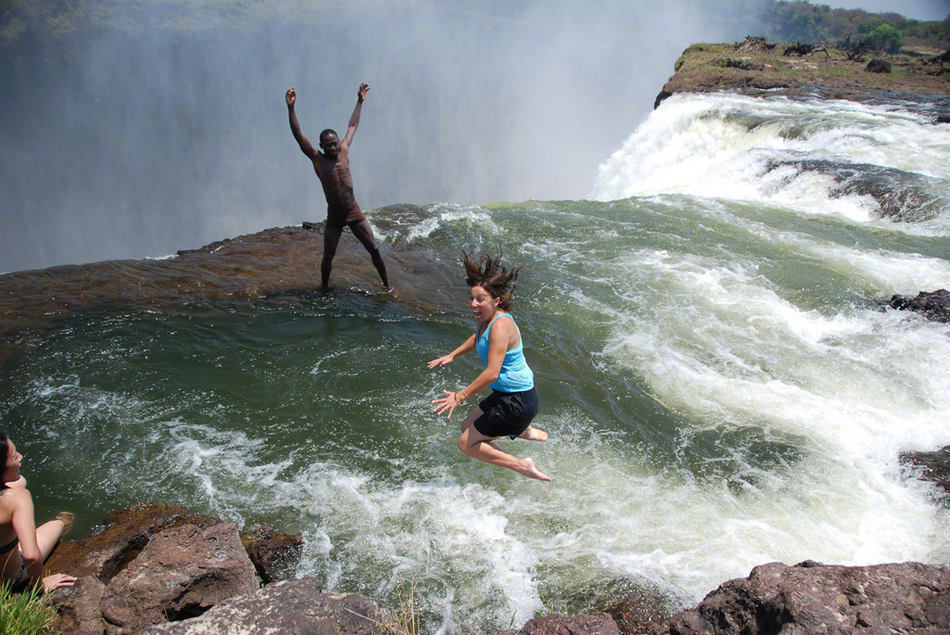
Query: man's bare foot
(67, 519)
(528, 469)
(533, 434)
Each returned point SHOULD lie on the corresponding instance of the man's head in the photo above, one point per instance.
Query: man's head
(330, 143)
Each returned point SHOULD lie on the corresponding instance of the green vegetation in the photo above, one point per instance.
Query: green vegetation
(778, 20)
(816, 23)
(24, 613)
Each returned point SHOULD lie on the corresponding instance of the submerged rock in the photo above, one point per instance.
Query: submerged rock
(933, 305)
(934, 466)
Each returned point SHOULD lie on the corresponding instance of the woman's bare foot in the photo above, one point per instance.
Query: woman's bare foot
(528, 469)
(67, 519)
(533, 434)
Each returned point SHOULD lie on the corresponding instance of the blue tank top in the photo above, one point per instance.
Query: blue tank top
(515, 375)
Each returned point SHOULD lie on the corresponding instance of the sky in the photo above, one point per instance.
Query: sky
(915, 9)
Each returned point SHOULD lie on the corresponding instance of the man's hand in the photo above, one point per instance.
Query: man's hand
(361, 94)
(291, 96)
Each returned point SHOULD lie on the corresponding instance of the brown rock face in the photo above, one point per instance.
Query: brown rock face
(814, 598)
(182, 572)
(149, 564)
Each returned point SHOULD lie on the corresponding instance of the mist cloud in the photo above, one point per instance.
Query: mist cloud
(139, 141)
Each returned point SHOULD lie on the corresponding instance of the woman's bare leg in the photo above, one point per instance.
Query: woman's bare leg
(47, 535)
(478, 446)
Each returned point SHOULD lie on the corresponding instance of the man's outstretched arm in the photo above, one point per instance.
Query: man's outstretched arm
(355, 117)
(305, 146)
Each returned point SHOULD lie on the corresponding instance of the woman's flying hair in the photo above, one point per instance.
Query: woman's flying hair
(488, 273)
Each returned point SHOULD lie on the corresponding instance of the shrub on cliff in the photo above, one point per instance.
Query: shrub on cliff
(886, 38)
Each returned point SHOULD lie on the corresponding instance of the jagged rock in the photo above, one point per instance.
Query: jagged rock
(810, 597)
(182, 572)
(934, 305)
(596, 624)
(935, 466)
(290, 606)
(275, 554)
(878, 66)
(198, 557)
(97, 559)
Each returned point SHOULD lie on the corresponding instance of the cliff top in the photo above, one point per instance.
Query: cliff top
(756, 67)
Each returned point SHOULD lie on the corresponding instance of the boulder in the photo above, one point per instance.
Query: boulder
(149, 562)
(182, 572)
(96, 560)
(594, 624)
(809, 597)
(934, 305)
(290, 606)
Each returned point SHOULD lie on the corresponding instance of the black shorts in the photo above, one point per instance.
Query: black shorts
(507, 413)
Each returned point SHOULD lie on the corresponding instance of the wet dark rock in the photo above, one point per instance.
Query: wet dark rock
(934, 305)
(291, 606)
(814, 598)
(275, 554)
(933, 466)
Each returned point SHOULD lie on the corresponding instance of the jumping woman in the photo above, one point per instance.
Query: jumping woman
(508, 411)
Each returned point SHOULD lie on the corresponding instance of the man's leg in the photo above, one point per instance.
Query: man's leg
(364, 232)
(331, 236)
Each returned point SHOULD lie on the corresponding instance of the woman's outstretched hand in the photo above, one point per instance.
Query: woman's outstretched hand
(448, 403)
(441, 361)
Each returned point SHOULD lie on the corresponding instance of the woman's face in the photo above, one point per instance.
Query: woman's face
(483, 305)
(11, 471)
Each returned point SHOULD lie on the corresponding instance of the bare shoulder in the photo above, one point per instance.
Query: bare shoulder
(11, 496)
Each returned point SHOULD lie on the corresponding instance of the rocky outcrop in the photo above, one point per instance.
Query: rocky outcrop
(161, 569)
(153, 563)
(933, 305)
(755, 67)
(293, 606)
(814, 598)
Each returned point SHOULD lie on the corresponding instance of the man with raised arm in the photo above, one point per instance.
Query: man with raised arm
(333, 169)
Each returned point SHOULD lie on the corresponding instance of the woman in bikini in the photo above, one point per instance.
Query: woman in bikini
(24, 546)
(508, 411)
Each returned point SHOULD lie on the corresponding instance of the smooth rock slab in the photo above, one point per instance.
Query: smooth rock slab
(290, 606)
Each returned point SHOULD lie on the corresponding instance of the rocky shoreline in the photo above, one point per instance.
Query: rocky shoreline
(160, 569)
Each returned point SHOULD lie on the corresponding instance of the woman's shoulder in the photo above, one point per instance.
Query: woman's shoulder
(10, 496)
